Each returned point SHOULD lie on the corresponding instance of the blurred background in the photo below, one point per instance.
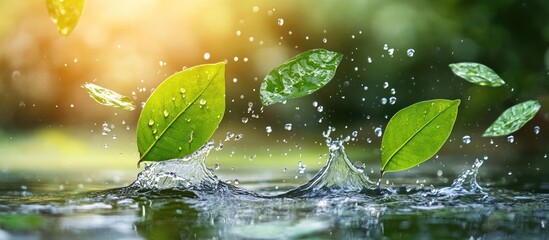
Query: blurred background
(396, 53)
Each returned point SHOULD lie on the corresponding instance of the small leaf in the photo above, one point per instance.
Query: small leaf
(477, 74)
(65, 14)
(299, 76)
(108, 97)
(416, 133)
(182, 113)
(513, 119)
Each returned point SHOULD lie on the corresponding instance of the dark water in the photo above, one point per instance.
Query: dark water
(182, 199)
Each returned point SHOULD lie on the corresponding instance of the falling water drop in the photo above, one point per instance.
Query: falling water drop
(324, 40)
(466, 139)
(392, 100)
(288, 126)
(269, 129)
(511, 139)
(410, 52)
(280, 22)
(383, 101)
(385, 85)
(537, 130)
(378, 131)
(320, 108)
(206, 56)
(244, 120)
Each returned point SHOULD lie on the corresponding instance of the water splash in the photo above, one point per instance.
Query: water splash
(466, 183)
(339, 175)
(188, 174)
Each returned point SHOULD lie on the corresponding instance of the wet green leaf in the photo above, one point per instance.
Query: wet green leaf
(182, 113)
(513, 119)
(299, 76)
(477, 74)
(108, 97)
(65, 14)
(416, 133)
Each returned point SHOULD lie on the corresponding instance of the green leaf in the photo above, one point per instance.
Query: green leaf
(416, 133)
(65, 14)
(108, 97)
(513, 119)
(299, 76)
(477, 74)
(182, 113)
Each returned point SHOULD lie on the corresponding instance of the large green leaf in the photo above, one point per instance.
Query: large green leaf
(299, 76)
(65, 14)
(108, 97)
(182, 113)
(477, 74)
(416, 133)
(513, 119)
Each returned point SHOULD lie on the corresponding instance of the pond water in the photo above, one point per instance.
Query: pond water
(183, 199)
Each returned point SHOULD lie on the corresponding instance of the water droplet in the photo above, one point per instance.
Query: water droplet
(301, 167)
(354, 133)
(238, 137)
(393, 91)
(182, 90)
(385, 85)
(324, 40)
(466, 139)
(439, 173)
(391, 51)
(251, 39)
(369, 60)
(392, 100)
(385, 47)
(383, 101)
(162, 63)
(217, 166)
(236, 181)
(365, 88)
(510, 173)
(288, 126)
(106, 129)
(202, 101)
(315, 104)
(166, 113)
(511, 139)
(229, 136)
(320, 108)
(410, 52)
(235, 80)
(378, 131)
(537, 130)
(151, 122)
(269, 129)
(280, 21)
(206, 56)
(244, 120)
(255, 9)
(238, 33)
